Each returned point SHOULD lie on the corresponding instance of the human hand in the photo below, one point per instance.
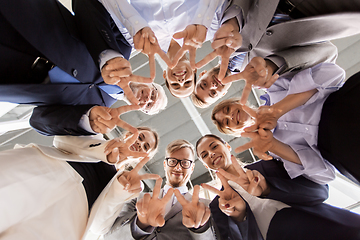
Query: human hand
(118, 150)
(151, 209)
(117, 71)
(265, 117)
(194, 35)
(195, 213)
(251, 180)
(104, 119)
(226, 40)
(261, 142)
(258, 72)
(230, 202)
(132, 180)
(99, 119)
(146, 42)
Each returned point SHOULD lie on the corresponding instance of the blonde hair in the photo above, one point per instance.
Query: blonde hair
(161, 102)
(228, 131)
(177, 145)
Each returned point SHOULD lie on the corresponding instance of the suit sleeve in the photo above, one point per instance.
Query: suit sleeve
(59, 120)
(98, 30)
(121, 229)
(299, 190)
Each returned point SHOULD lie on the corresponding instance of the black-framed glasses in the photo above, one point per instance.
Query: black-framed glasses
(184, 163)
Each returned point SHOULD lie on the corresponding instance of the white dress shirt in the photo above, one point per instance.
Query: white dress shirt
(164, 17)
(299, 127)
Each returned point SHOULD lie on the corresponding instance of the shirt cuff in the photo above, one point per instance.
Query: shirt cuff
(279, 62)
(84, 122)
(138, 232)
(106, 55)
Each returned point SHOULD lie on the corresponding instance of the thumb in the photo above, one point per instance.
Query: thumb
(179, 35)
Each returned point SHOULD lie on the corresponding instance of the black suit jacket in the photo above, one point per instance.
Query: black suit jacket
(304, 196)
(44, 28)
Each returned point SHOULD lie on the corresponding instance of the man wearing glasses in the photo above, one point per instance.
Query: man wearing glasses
(164, 217)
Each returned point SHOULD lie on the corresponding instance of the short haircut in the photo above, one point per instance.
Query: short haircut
(177, 145)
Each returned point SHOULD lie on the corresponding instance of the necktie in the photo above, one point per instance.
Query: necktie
(57, 75)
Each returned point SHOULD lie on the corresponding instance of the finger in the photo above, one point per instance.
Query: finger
(251, 135)
(139, 44)
(102, 112)
(180, 198)
(127, 108)
(195, 196)
(223, 67)
(120, 72)
(132, 139)
(179, 55)
(266, 125)
(159, 221)
(123, 180)
(110, 145)
(271, 81)
(117, 64)
(192, 54)
(244, 147)
(245, 93)
(208, 58)
(101, 128)
(110, 124)
(129, 94)
(113, 157)
(253, 186)
(249, 111)
(219, 42)
(232, 78)
(259, 65)
(149, 176)
(199, 214)
(206, 216)
(165, 58)
(252, 128)
(237, 166)
(140, 164)
(140, 79)
(181, 34)
(157, 187)
(211, 188)
(126, 126)
(136, 154)
(168, 195)
(223, 179)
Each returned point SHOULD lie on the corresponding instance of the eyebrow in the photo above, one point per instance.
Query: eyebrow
(211, 144)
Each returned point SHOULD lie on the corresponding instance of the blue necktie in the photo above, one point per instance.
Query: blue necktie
(236, 62)
(279, 18)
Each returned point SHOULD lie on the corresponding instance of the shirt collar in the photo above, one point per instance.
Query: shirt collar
(182, 189)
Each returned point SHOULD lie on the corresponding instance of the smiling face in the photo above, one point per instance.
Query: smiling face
(178, 176)
(180, 79)
(151, 96)
(209, 88)
(232, 117)
(146, 142)
(214, 153)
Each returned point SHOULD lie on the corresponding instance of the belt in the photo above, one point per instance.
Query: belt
(286, 7)
(40, 69)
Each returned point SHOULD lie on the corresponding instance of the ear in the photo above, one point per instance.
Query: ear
(202, 73)
(164, 74)
(225, 92)
(228, 146)
(164, 164)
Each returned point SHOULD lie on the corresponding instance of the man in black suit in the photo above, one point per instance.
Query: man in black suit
(46, 62)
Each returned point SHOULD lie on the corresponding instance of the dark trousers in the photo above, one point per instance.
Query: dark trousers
(339, 129)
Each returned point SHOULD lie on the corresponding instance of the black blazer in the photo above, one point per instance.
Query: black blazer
(304, 196)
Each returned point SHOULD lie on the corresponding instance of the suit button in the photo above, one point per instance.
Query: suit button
(74, 72)
(269, 32)
(158, 230)
(91, 86)
(250, 46)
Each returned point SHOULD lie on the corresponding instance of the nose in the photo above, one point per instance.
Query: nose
(178, 166)
(139, 146)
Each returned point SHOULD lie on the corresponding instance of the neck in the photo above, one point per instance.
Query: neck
(231, 169)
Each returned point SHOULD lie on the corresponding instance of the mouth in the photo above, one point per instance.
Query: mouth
(216, 161)
(238, 117)
(134, 148)
(217, 81)
(179, 73)
(177, 174)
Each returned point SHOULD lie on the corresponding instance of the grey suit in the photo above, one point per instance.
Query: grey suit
(172, 230)
(302, 42)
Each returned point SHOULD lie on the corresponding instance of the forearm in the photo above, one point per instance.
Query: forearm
(284, 151)
(292, 101)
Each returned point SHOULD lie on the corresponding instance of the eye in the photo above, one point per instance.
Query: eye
(175, 85)
(141, 137)
(149, 105)
(214, 146)
(226, 110)
(188, 84)
(153, 95)
(147, 147)
(213, 93)
(226, 122)
(204, 155)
